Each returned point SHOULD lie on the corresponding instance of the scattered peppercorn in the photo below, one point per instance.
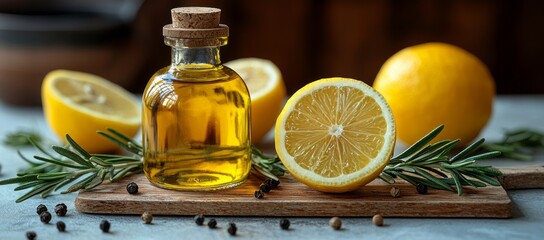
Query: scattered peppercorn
(335, 223)
(284, 224)
(421, 188)
(30, 235)
(45, 217)
(105, 226)
(132, 188)
(377, 220)
(264, 188)
(212, 223)
(199, 219)
(395, 192)
(41, 208)
(232, 229)
(61, 209)
(147, 217)
(259, 194)
(272, 183)
(61, 226)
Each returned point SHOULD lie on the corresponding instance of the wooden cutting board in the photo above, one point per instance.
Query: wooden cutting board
(295, 199)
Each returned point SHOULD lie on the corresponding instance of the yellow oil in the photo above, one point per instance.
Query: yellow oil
(196, 128)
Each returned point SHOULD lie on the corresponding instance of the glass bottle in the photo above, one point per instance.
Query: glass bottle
(196, 112)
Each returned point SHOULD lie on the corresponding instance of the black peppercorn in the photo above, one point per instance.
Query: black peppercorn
(199, 219)
(232, 229)
(284, 224)
(105, 226)
(132, 188)
(41, 208)
(212, 223)
(264, 188)
(421, 188)
(45, 217)
(61, 226)
(61, 209)
(259, 194)
(30, 235)
(272, 183)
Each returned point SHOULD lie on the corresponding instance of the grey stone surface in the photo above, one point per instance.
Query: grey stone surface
(510, 112)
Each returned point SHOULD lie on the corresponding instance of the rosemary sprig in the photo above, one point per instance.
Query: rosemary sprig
(55, 170)
(432, 165)
(520, 144)
(68, 164)
(22, 138)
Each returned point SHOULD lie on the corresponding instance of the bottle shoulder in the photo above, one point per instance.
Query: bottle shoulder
(197, 74)
(221, 76)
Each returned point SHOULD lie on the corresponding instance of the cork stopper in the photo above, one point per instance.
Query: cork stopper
(196, 23)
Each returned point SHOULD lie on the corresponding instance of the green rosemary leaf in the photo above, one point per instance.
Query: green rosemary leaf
(100, 162)
(486, 155)
(124, 145)
(63, 183)
(26, 159)
(263, 174)
(432, 179)
(81, 184)
(486, 179)
(20, 179)
(491, 171)
(97, 180)
(467, 181)
(28, 185)
(446, 149)
(460, 164)
(418, 180)
(435, 171)
(47, 192)
(78, 148)
(72, 156)
(468, 150)
(119, 135)
(419, 144)
(123, 172)
(41, 149)
(387, 178)
(35, 191)
(52, 176)
(428, 151)
(436, 153)
(456, 180)
(59, 162)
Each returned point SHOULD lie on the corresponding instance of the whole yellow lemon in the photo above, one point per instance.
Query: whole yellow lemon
(436, 83)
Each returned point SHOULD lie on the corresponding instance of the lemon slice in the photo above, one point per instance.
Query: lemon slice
(266, 89)
(335, 134)
(80, 104)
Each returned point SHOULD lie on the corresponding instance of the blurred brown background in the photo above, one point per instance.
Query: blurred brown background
(308, 39)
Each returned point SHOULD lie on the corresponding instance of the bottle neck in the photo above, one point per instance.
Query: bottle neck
(196, 57)
(195, 53)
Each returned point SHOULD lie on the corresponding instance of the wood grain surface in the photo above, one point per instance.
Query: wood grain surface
(522, 177)
(292, 198)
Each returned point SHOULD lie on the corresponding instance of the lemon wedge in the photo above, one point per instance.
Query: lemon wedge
(267, 92)
(335, 134)
(80, 104)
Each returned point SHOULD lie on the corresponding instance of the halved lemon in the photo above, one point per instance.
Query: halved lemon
(80, 104)
(335, 134)
(267, 91)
